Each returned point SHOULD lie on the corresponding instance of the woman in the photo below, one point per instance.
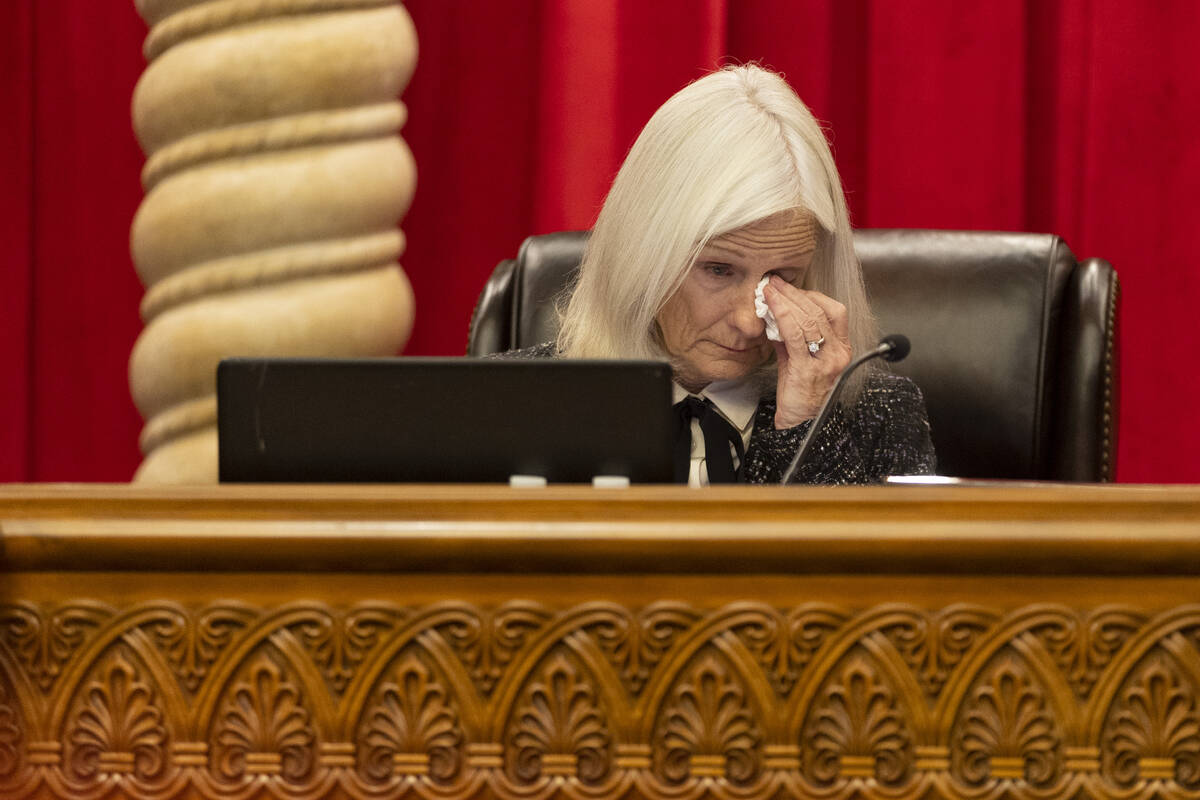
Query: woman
(732, 182)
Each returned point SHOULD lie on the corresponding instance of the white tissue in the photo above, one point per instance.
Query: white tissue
(764, 313)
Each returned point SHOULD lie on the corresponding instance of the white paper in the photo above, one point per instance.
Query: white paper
(764, 313)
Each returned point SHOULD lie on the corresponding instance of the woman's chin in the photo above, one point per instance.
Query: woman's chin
(729, 365)
(729, 371)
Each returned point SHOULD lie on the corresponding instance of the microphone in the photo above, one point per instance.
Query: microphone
(897, 345)
(893, 347)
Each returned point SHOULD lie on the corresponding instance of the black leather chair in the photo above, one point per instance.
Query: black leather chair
(1012, 340)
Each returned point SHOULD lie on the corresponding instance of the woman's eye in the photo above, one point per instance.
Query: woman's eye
(719, 270)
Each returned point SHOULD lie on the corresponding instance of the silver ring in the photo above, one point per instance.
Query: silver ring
(815, 347)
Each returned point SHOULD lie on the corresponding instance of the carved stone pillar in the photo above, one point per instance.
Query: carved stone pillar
(275, 179)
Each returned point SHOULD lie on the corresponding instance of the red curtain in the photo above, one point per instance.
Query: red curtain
(69, 169)
(1074, 116)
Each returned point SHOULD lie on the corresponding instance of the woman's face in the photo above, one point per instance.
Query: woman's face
(709, 325)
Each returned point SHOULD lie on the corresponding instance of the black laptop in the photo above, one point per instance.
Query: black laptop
(434, 420)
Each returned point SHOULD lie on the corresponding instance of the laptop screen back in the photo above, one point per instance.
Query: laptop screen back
(434, 420)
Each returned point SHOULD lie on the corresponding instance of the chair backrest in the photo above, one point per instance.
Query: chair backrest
(1012, 340)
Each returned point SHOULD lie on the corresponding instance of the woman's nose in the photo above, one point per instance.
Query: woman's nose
(744, 318)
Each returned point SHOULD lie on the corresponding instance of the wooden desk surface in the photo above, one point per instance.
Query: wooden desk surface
(661, 642)
(1059, 528)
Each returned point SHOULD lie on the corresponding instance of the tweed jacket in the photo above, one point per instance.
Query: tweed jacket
(885, 432)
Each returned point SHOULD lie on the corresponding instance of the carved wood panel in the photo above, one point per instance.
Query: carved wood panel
(521, 700)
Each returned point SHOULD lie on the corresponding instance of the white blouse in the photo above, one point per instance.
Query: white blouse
(736, 401)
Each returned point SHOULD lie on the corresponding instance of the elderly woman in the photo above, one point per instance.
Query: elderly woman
(731, 182)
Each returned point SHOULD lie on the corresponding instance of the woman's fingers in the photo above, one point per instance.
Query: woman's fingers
(805, 378)
(834, 311)
(820, 322)
(807, 314)
(794, 323)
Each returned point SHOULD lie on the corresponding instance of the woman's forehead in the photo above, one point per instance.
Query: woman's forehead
(789, 232)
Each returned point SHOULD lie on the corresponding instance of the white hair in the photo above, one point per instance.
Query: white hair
(730, 149)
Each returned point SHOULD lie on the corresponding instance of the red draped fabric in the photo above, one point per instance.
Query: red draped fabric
(69, 187)
(1076, 117)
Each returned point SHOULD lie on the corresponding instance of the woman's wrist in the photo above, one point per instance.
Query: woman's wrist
(785, 421)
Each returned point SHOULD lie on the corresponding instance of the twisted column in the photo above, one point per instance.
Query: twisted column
(275, 179)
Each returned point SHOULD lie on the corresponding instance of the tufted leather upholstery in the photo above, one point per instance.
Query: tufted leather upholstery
(1012, 340)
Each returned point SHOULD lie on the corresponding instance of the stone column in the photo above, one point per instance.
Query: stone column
(275, 179)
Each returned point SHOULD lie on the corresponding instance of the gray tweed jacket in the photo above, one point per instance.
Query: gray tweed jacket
(885, 432)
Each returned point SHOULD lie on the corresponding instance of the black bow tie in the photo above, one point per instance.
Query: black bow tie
(718, 436)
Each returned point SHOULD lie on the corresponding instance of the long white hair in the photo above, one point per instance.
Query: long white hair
(728, 150)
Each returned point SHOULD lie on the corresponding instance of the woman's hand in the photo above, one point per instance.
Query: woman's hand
(805, 378)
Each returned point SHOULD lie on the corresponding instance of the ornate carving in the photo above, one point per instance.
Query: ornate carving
(410, 727)
(1007, 731)
(635, 643)
(339, 642)
(10, 734)
(685, 727)
(707, 727)
(784, 644)
(857, 729)
(487, 641)
(263, 727)
(1083, 646)
(192, 641)
(1154, 731)
(117, 727)
(933, 645)
(44, 641)
(558, 728)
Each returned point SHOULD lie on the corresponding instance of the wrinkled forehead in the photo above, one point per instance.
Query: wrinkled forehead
(789, 232)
